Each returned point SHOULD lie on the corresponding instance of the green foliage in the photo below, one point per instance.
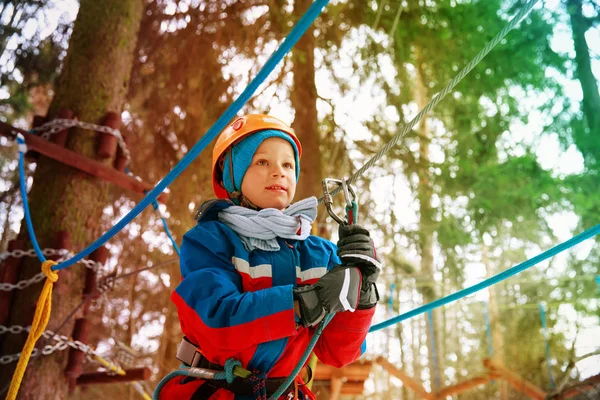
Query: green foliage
(30, 61)
(514, 190)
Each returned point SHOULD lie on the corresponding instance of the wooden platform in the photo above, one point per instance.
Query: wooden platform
(349, 380)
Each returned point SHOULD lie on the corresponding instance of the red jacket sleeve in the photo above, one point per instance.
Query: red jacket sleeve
(342, 339)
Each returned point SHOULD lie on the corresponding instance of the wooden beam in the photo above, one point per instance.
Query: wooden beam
(576, 390)
(353, 388)
(353, 372)
(135, 374)
(335, 387)
(464, 386)
(516, 381)
(407, 381)
(79, 162)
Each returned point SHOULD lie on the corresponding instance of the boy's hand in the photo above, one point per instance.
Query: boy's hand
(337, 290)
(356, 248)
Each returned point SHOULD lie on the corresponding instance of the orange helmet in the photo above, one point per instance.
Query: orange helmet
(238, 130)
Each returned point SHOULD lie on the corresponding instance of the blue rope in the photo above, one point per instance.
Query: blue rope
(433, 349)
(228, 374)
(165, 380)
(491, 281)
(167, 231)
(547, 344)
(391, 299)
(301, 27)
(309, 349)
(34, 242)
(488, 329)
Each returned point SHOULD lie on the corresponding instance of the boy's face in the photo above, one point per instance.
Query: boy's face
(270, 181)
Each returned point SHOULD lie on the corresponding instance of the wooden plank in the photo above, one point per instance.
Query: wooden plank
(135, 374)
(516, 381)
(353, 388)
(80, 162)
(407, 381)
(578, 389)
(464, 386)
(352, 372)
(335, 388)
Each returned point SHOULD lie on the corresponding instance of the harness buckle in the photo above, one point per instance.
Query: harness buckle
(349, 197)
(188, 354)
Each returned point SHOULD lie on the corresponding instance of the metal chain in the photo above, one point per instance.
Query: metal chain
(31, 253)
(56, 125)
(63, 253)
(62, 343)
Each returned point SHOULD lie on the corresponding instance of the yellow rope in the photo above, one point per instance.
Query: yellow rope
(38, 326)
(110, 366)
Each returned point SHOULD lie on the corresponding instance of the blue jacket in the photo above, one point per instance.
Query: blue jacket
(235, 303)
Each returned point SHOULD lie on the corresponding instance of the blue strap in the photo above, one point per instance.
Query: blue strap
(167, 231)
(391, 299)
(491, 281)
(547, 344)
(23, 185)
(297, 32)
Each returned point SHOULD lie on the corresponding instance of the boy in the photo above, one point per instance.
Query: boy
(256, 283)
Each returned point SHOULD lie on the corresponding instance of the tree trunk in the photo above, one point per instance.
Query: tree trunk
(93, 82)
(171, 337)
(494, 314)
(583, 68)
(427, 228)
(304, 101)
(6, 231)
(415, 327)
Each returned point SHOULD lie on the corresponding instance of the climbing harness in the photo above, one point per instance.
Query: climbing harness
(232, 376)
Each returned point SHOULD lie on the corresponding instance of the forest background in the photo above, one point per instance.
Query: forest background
(503, 168)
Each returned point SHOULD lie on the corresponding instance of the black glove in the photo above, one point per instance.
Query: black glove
(356, 248)
(337, 290)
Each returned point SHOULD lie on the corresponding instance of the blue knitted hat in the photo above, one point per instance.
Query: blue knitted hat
(242, 154)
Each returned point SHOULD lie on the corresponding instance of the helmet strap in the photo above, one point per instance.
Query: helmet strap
(241, 200)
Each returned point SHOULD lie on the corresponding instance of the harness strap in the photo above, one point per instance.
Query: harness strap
(205, 390)
(188, 354)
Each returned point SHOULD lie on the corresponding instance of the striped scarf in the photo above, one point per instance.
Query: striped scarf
(260, 229)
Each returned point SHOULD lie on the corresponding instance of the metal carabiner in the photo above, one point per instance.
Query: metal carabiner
(351, 206)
